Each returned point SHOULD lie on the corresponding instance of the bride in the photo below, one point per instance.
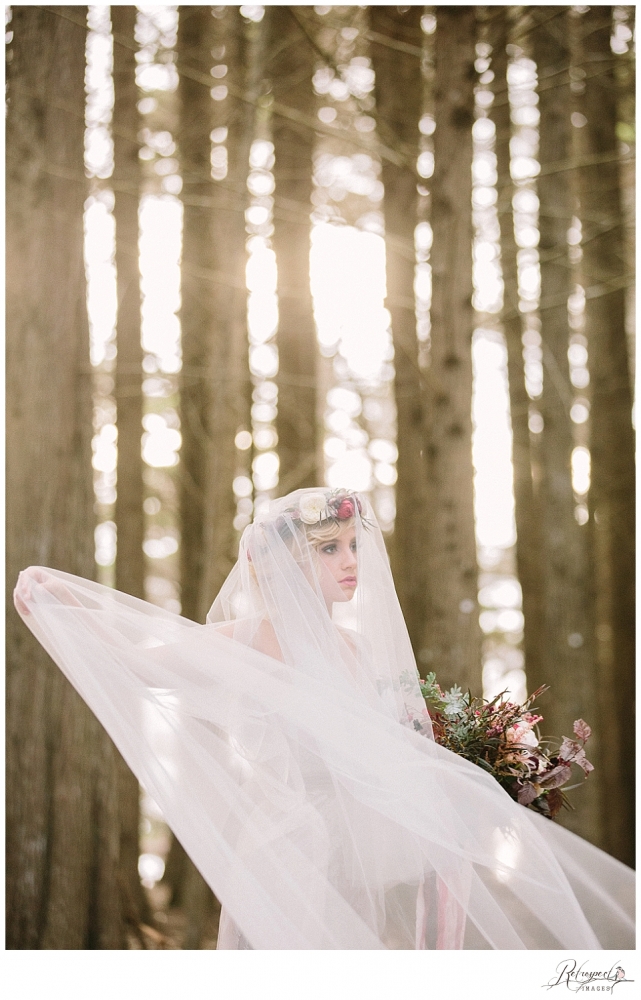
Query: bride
(289, 747)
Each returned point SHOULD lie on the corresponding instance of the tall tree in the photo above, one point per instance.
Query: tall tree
(128, 388)
(452, 632)
(128, 391)
(567, 629)
(215, 377)
(611, 496)
(62, 809)
(528, 549)
(289, 67)
(399, 103)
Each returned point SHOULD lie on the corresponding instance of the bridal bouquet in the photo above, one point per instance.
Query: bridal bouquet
(502, 738)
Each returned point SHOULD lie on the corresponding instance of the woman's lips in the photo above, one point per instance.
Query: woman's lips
(349, 581)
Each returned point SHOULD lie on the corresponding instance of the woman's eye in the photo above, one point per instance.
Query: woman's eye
(329, 549)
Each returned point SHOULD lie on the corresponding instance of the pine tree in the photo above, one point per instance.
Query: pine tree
(611, 496)
(567, 628)
(62, 807)
(128, 390)
(215, 377)
(528, 548)
(289, 67)
(399, 104)
(452, 634)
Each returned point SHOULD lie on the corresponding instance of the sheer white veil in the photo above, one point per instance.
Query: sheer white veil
(292, 756)
(278, 576)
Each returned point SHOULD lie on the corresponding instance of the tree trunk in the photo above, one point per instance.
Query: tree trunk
(452, 635)
(195, 40)
(567, 662)
(399, 102)
(528, 546)
(215, 377)
(62, 811)
(625, 75)
(128, 391)
(290, 66)
(611, 497)
(126, 182)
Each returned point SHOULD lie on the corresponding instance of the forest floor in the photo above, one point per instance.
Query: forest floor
(170, 925)
(169, 928)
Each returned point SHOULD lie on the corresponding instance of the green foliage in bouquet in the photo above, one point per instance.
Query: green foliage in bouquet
(503, 738)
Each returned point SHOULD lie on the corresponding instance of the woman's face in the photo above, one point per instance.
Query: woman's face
(339, 566)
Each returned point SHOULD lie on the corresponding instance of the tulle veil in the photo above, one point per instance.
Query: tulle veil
(304, 782)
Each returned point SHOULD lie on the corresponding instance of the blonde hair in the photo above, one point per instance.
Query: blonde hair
(326, 531)
(315, 534)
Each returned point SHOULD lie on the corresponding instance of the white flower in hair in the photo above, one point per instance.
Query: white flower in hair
(313, 508)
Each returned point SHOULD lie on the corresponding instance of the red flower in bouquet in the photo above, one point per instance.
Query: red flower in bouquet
(502, 738)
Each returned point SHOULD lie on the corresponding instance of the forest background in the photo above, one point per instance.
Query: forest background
(458, 344)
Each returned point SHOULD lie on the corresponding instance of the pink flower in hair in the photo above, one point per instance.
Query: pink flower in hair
(345, 509)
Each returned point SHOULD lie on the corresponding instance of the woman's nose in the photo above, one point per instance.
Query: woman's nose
(349, 559)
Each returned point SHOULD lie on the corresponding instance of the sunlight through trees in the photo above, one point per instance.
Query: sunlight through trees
(385, 248)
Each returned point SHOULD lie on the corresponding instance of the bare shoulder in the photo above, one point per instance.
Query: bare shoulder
(265, 641)
(263, 638)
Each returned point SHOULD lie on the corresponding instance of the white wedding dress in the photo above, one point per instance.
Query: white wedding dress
(305, 783)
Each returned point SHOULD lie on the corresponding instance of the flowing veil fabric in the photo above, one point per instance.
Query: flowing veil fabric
(292, 755)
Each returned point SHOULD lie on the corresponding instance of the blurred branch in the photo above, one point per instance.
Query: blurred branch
(383, 150)
(393, 43)
(325, 56)
(495, 12)
(561, 78)
(17, 88)
(593, 292)
(303, 120)
(586, 161)
(59, 12)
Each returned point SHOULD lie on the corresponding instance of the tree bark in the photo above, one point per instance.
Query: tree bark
(399, 103)
(290, 65)
(528, 545)
(625, 76)
(128, 391)
(452, 635)
(62, 811)
(215, 377)
(128, 388)
(214, 396)
(567, 661)
(611, 496)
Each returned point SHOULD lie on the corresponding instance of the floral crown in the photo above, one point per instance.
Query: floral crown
(336, 506)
